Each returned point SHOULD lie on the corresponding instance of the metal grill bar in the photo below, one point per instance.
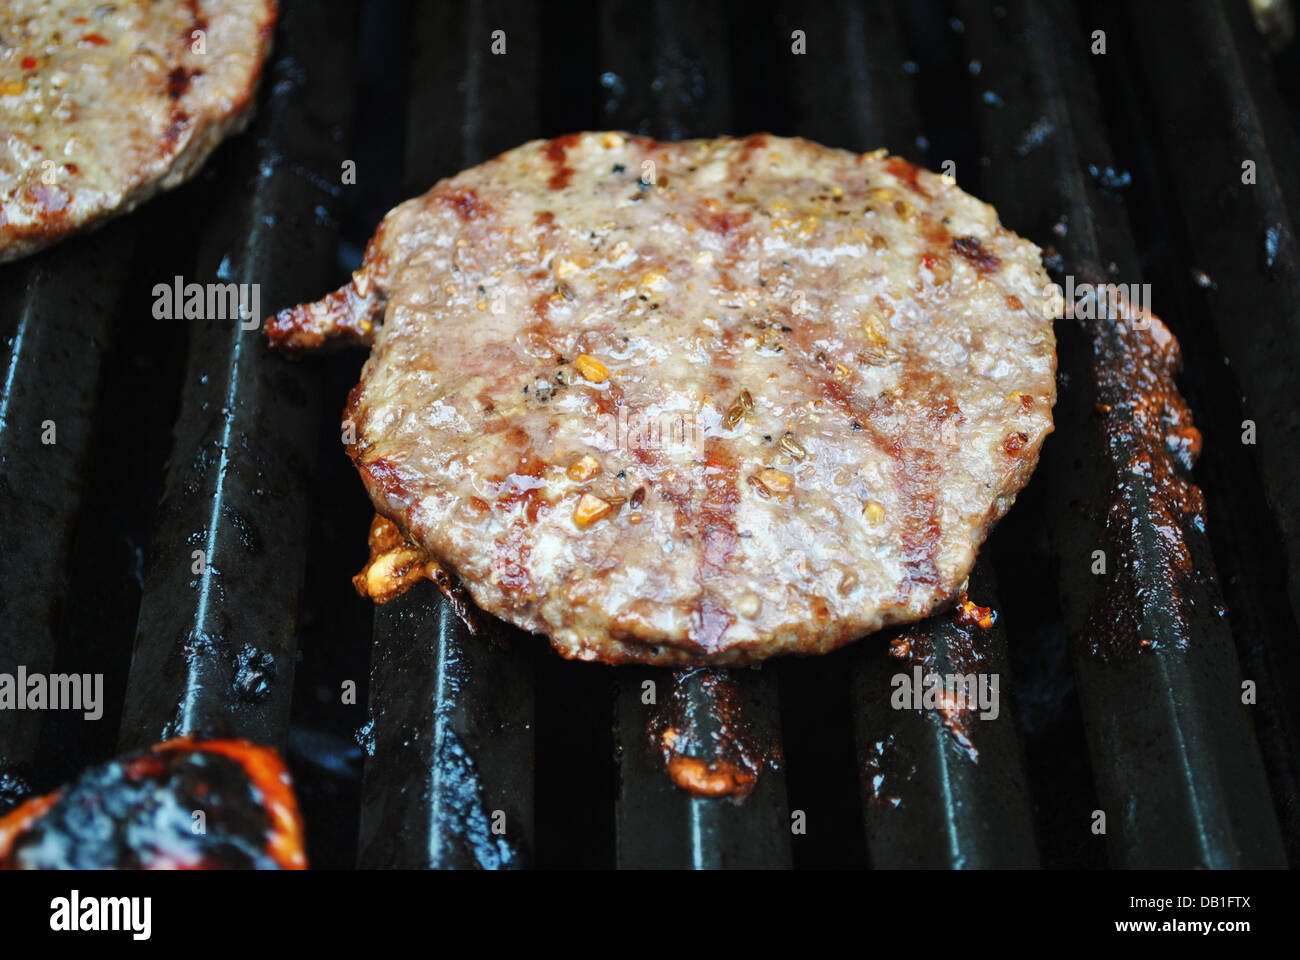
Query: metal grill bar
(851, 89)
(845, 90)
(672, 82)
(216, 638)
(448, 780)
(63, 306)
(943, 791)
(135, 406)
(1179, 774)
(659, 824)
(926, 799)
(1222, 116)
(1214, 108)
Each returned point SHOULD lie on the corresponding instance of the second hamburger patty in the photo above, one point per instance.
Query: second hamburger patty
(697, 402)
(103, 105)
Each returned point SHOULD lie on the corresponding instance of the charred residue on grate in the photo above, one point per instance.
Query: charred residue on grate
(1180, 697)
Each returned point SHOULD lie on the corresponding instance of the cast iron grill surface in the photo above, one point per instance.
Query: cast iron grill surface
(191, 531)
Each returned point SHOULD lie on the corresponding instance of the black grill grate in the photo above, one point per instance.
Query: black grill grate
(183, 436)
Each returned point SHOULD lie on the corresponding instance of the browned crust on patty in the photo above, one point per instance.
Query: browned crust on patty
(102, 106)
(347, 317)
(862, 354)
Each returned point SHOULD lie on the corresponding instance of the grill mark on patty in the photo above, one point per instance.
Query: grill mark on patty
(383, 474)
(510, 563)
(197, 21)
(913, 470)
(518, 494)
(935, 232)
(513, 489)
(467, 203)
(981, 259)
(51, 199)
(907, 172)
(721, 222)
(713, 523)
(178, 81)
(835, 391)
(609, 400)
(752, 143)
(917, 473)
(557, 153)
(179, 121)
(710, 521)
(820, 374)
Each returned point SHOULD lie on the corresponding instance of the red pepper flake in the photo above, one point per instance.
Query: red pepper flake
(29, 63)
(80, 21)
(98, 39)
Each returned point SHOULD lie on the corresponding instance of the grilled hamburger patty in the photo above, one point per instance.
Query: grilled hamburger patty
(103, 105)
(697, 402)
